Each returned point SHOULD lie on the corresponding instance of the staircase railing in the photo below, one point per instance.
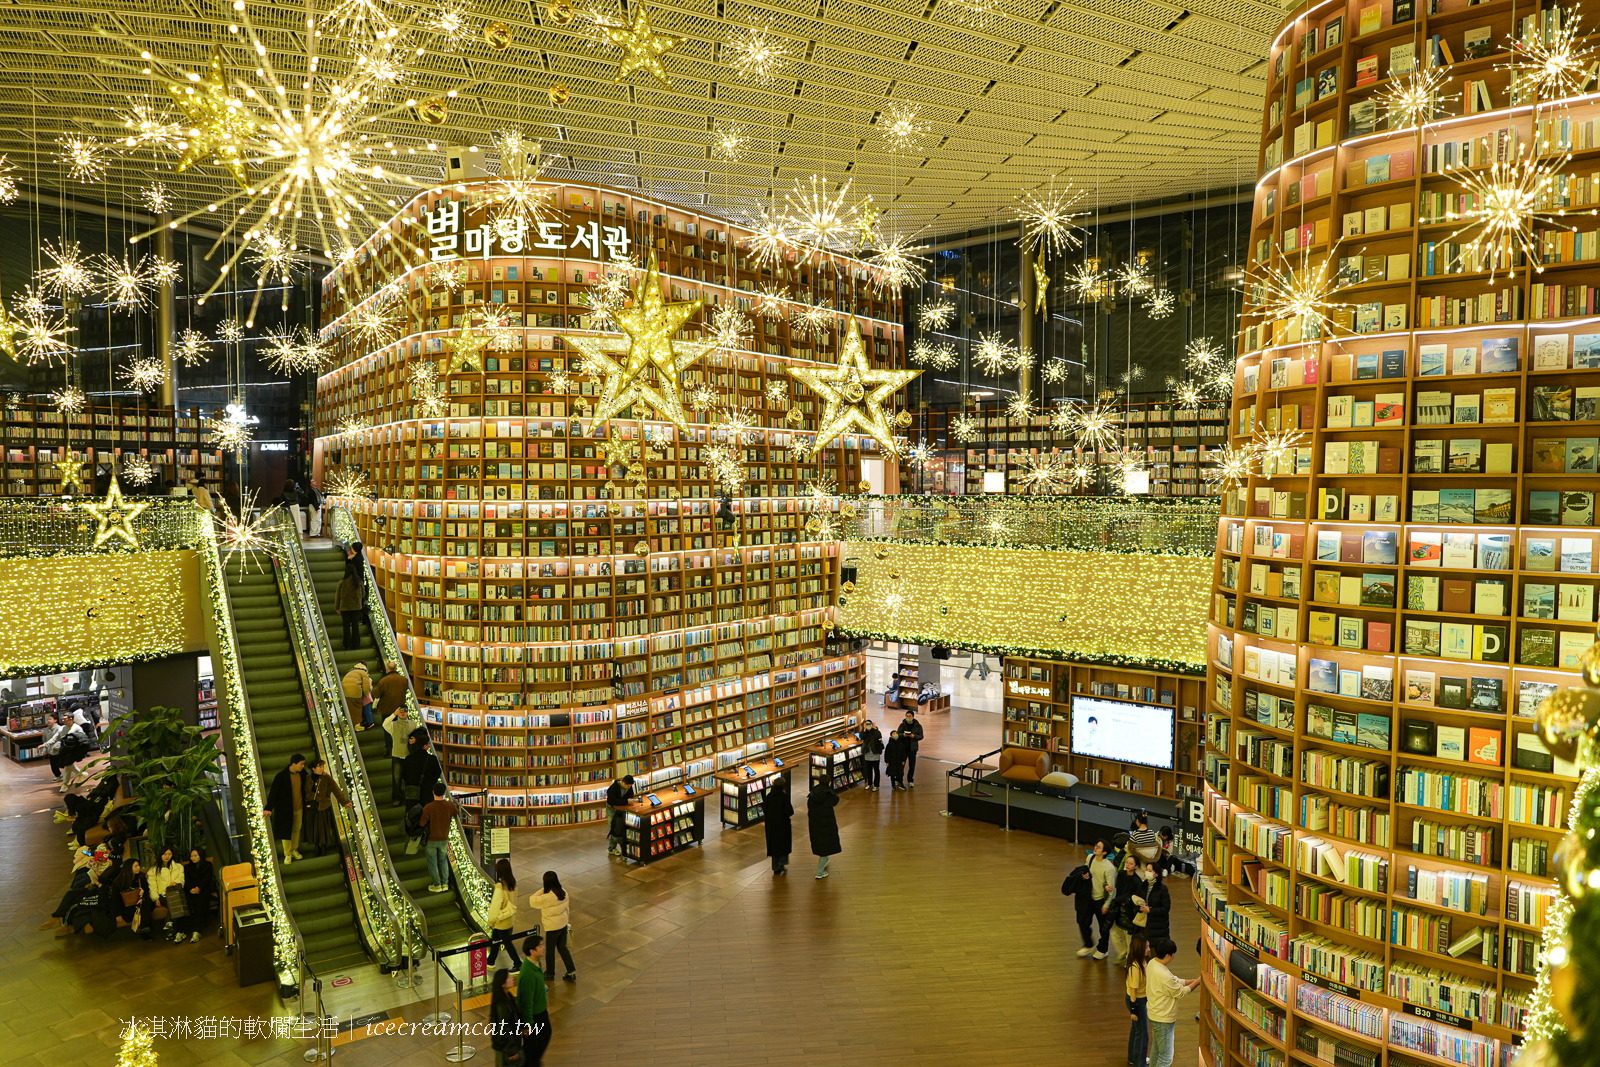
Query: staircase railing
(475, 888)
(289, 950)
(383, 908)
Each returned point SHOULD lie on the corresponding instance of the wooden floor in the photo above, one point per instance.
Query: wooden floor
(935, 941)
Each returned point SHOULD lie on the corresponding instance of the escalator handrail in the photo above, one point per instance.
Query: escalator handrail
(378, 912)
(269, 880)
(474, 886)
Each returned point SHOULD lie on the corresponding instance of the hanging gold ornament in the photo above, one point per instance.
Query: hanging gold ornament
(650, 324)
(434, 111)
(560, 13)
(115, 517)
(641, 549)
(559, 95)
(641, 45)
(793, 417)
(1565, 717)
(847, 587)
(902, 418)
(864, 487)
(1041, 286)
(498, 36)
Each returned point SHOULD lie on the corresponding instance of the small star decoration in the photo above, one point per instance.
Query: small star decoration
(468, 346)
(1041, 286)
(115, 517)
(642, 46)
(852, 392)
(649, 323)
(71, 471)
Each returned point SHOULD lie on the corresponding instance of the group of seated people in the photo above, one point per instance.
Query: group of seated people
(111, 888)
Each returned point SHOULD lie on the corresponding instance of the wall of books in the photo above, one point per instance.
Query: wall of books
(37, 437)
(1410, 566)
(572, 606)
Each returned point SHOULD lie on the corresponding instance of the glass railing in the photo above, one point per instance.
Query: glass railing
(387, 914)
(233, 707)
(474, 885)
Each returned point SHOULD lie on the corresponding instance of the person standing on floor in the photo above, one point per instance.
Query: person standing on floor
(618, 797)
(1157, 904)
(505, 1031)
(286, 806)
(503, 912)
(894, 761)
(1138, 1004)
(398, 726)
(555, 921)
(1079, 885)
(54, 731)
(533, 1003)
(357, 686)
(322, 830)
(436, 819)
(1126, 908)
(1163, 988)
(1103, 880)
(824, 825)
(350, 599)
(776, 811)
(200, 887)
(871, 753)
(911, 732)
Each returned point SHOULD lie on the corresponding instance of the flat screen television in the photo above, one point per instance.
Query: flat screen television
(1122, 730)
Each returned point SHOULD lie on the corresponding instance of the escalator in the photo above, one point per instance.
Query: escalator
(316, 888)
(446, 924)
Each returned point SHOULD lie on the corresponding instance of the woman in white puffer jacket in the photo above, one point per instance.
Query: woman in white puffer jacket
(167, 871)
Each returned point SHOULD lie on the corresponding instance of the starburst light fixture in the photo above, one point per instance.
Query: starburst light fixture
(230, 434)
(145, 374)
(895, 265)
(900, 128)
(1055, 371)
(191, 348)
(756, 54)
(1232, 469)
(156, 198)
(769, 240)
(127, 285)
(926, 353)
(918, 455)
(69, 399)
(1510, 195)
(993, 353)
(1159, 303)
(137, 470)
(728, 142)
(1415, 99)
(703, 397)
(814, 214)
(296, 352)
(41, 333)
(9, 190)
(70, 272)
(813, 320)
(351, 425)
(230, 331)
(1187, 394)
(1134, 373)
(1554, 69)
(1020, 406)
(348, 484)
(84, 157)
(777, 391)
(729, 328)
(1275, 450)
(1048, 222)
(964, 427)
(1096, 427)
(1303, 292)
(1045, 473)
(1086, 281)
(937, 315)
(244, 530)
(449, 275)
(1134, 277)
(771, 302)
(1063, 418)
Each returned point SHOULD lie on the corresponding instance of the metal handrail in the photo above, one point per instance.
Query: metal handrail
(372, 887)
(268, 877)
(475, 889)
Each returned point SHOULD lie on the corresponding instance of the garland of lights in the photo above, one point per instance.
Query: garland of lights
(1162, 526)
(1159, 664)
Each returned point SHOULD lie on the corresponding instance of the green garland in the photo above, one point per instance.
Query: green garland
(1177, 526)
(1147, 663)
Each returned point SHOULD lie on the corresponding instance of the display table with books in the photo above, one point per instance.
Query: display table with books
(836, 761)
(663, 821)
(744, 790)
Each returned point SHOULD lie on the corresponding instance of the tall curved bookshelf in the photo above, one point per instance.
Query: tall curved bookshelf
(1411, 566)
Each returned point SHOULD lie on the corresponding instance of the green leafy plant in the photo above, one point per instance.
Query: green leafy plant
(170, 764)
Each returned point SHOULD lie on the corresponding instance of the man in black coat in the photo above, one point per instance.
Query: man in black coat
(1079, 884)
(776, 810)
(911, 733)
(421, 770)
(618, 796)
(286, 805)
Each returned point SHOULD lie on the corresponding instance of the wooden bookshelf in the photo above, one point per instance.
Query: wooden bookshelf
(34, 437)
(562, 628)
(1038, 715)
(1378, 627)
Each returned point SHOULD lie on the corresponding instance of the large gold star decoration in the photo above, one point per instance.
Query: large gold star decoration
(853, 393)
(1041, 286)
(641, 45)
(115, 517)
(468, 346)
(649, 323)
(219, 124)
(71, 473)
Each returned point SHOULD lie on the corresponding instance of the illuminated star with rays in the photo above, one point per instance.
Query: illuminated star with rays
(641, 45)
(852, 392)
(219, 127)
(650, 325)
(114, 517)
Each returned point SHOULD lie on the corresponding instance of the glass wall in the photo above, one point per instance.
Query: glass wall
(1092, 336)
